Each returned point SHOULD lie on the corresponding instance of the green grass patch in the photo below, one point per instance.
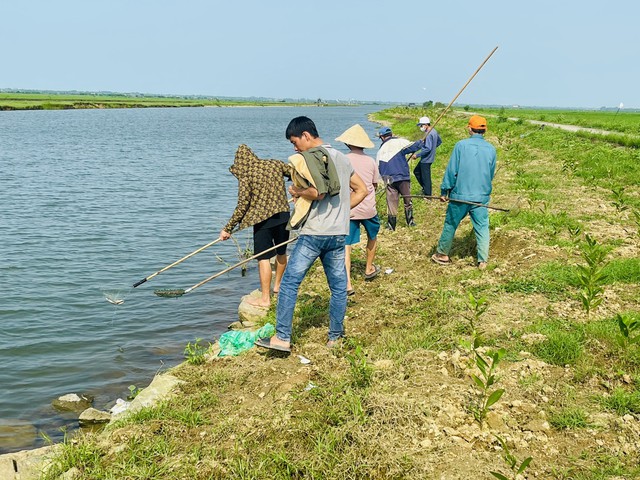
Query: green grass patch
(624, 270)
(569, 419)
(548, 278)
(564, 344)
(615, 138)
(619, 121)
(184, 414)
(597, 464)
(81, 454)
(547, 222)
(553, 278)
(396, 343)
(622, 401)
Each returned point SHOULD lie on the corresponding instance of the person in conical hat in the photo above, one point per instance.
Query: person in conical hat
(365, 213)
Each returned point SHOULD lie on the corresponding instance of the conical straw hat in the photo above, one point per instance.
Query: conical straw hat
(355, 136)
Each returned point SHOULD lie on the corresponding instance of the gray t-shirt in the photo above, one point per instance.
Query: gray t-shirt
(330, 216)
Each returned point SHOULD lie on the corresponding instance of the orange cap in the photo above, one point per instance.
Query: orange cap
(478, 122)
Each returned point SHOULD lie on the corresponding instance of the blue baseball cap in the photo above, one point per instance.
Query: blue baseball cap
(384, 131)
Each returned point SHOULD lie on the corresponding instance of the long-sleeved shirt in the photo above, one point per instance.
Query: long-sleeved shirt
(470, 170)
(391, 160)
(426, 147)
(261, 188)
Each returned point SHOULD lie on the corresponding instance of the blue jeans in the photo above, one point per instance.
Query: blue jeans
(330, 250)
(480, 221)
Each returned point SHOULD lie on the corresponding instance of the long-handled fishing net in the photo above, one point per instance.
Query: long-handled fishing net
(178, 292)
(176, 262)
(434, 197)
(188, 256)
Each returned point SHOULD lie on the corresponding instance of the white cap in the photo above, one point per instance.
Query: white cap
(424, 121)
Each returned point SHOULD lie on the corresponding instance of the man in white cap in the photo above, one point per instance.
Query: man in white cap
(426, 152)
(365, 213)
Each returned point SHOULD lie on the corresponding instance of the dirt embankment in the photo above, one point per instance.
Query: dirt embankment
(397, 400)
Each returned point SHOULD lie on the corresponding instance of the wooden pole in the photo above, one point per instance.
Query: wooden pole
(461, 90)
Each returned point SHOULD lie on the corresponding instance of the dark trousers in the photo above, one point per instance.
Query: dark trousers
(423, 175)
(396, 190)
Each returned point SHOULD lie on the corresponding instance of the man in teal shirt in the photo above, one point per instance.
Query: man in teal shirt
(468, 177)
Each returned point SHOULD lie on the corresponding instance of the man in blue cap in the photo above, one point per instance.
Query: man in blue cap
(394, 170)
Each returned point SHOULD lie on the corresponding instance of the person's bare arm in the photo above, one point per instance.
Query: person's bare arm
(358, 189)
(310, 193)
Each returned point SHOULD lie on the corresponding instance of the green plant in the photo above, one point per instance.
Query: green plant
(484, 382)
(486, 365)
(516, 467)
(502, 115)
(636, 219)
(478, 307)
(629, 330)
(575, 233)
(243, 253)
(590, 276)
(569, 166)
(194, 353)
(531, 184)
(361, 371)
(133, 392)
(619, 200)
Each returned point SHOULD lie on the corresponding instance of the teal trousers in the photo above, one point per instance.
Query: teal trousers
(479, 219)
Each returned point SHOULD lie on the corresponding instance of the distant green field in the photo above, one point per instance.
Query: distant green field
(595, 158)
(620, 122)
(52, 101)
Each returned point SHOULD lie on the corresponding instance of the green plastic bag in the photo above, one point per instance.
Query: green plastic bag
(237, 341)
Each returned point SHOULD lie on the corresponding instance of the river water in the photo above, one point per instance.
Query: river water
(92, 201)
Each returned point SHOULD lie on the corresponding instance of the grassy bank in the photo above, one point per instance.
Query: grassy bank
(447, 372)
(53, 101)
(623, 128)
(621, 121)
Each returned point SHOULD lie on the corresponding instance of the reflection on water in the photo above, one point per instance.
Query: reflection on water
(16, 434)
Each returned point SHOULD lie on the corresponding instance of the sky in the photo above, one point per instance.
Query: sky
(560, 53)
